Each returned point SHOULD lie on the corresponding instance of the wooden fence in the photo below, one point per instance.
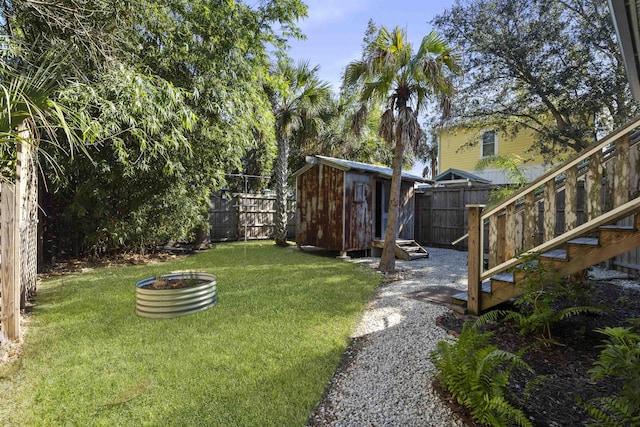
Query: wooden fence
(18, 242)
(249, 216)
(441, 214)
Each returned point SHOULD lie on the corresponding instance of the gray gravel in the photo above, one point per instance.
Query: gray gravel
(388, 381)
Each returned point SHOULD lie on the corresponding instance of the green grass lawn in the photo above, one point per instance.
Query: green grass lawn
(261, 357)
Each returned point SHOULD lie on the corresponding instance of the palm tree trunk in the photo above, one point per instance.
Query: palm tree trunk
(388, 259)
(281, 172)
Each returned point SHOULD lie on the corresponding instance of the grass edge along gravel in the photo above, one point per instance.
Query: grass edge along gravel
(262, 356)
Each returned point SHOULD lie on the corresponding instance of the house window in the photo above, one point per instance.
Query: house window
(489, 146)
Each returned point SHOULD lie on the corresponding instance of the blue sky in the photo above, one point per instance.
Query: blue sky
(335, 29)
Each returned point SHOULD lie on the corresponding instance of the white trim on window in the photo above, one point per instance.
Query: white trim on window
(483, 154)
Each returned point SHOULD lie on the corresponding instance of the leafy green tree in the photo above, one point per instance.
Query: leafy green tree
(405, 82)
(337, 138)
(175, 89)
(549, 66)
(297, 103)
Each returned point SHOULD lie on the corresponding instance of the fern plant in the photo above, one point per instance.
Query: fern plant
(537, 306)
(476, 374)
(619, 358)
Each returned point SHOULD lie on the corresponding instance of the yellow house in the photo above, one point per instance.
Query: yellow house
(462, 148)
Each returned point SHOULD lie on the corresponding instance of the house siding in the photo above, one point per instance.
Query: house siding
(453, 156)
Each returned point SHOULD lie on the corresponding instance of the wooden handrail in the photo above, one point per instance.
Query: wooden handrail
(610, 216)
(568, 164)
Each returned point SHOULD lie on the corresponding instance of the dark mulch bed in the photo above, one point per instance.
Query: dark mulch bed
(564, 364)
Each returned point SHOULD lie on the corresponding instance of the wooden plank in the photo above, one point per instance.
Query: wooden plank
(611, 216)
(500, 292)
(571, 199)
(502, 233)
(493, 241)
(10, 274)
(510, 232)
(621, 179)
(594, 186)
(519, 225)
(634, 172)
(475, 259)
(530, 211)
(549, 210)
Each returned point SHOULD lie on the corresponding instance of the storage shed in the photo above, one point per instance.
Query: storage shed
(343, 205)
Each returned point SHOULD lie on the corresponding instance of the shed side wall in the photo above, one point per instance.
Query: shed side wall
(320, 214)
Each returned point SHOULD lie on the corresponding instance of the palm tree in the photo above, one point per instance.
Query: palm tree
(406, 82)
(297, 104)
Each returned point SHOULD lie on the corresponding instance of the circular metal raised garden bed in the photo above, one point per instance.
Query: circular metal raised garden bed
(175, 294)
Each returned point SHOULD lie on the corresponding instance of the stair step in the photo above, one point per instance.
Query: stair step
(587, 241)
(504, 277)
(618, 227)
(560, 254)
(409, 250)
(405, 242)
(461, 298)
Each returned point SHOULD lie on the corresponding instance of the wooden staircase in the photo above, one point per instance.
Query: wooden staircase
(407, 250)
(610, 224)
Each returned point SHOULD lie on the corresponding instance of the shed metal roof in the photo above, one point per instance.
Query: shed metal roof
(347, 165)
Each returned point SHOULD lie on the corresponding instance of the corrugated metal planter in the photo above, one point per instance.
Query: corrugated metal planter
(166, 303)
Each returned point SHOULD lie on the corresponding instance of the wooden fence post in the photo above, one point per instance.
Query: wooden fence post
(475, 259)
(10, 267)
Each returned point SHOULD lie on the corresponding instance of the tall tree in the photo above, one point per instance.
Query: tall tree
(175, 90)
(406, 82)
(551, 66)
(297, 102)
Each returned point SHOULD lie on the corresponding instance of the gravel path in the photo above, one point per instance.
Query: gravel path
(386, 380)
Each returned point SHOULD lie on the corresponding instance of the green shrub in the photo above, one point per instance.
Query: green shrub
(619, 358)
(476, 373)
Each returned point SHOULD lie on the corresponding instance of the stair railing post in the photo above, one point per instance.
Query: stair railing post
(475, 259)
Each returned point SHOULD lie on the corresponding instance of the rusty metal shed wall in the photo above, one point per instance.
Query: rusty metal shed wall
(358, 211)
(320, 206)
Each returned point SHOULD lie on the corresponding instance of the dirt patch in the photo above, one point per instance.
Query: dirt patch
(564, 365)
(76, 265)
(174, 283)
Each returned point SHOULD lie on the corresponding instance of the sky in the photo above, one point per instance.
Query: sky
(335, 30)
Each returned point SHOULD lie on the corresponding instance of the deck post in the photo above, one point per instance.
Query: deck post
(475, 258)
(10, 267)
